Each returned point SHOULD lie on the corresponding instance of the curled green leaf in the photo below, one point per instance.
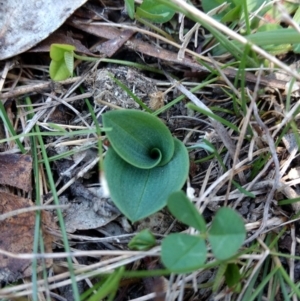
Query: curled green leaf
(139, 138)
(144, 164)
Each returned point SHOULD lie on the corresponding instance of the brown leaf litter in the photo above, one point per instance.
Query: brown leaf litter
(17, 230)
(16, 236)
(15, 170)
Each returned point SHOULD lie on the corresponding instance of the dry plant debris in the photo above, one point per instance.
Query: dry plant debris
(107, 91)
(16, 236)
(15, 170)
(86, 214)
(267, 170)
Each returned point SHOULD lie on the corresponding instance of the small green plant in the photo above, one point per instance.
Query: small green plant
(151, 10)
(225, 235)
(144, 240)
(62, 61)
(106, 288)
(144, 163)
(62, 55)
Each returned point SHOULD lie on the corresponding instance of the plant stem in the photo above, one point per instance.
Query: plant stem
(86, 58)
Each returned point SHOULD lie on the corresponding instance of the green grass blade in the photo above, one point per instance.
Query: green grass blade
(275, 37)
(262, 284)
(37, 224)
(251, 285)
(213, 116)
(283, 288)
(290, 283)
(10, 128)
(98, 131)
(65, 134)
(59, 215)
(181, 97)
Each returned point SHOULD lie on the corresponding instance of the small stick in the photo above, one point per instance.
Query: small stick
(34, 208)
(36, 88)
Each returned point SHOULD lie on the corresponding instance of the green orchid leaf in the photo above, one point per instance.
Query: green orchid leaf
(243, 190)
(57, 51)
(155, 11)
(232, 15)
(69, 61)
(139, 138)
(232, 275)
(296, 48)
(183, 209)
(227, 233)
(142, 241)
(209, 5)
(144, 164)
(157, 18)
(59, 71)
(138, 192)
(182, 253)
(62, 64)
(130, 8)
